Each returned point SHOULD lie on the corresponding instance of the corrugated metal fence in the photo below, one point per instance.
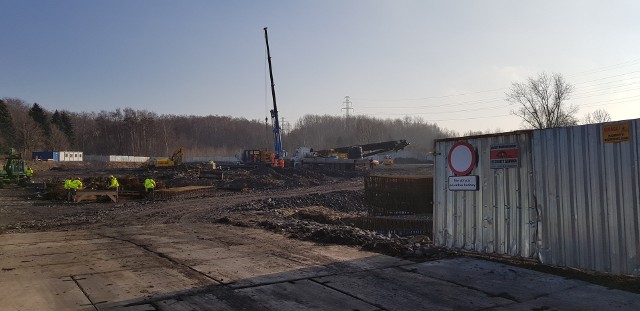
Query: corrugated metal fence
(587, 193)
(572, 201)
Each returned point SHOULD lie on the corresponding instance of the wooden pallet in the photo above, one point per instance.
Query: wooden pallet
(94, 194)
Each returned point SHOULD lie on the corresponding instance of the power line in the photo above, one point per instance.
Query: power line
(480, 101)
(431, 97)
(456, 119)
(608, 82)
(604, 86)
(485, 91)
(606, 68)
(580, 93)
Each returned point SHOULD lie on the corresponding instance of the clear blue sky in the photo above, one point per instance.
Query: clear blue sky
(446, 61)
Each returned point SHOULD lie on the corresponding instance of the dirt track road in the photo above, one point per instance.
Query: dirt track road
(21, 212)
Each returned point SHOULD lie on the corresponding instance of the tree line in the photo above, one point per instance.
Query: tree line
(29, 127)
(541, 102)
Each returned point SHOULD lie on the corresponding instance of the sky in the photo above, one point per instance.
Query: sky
(447, 62)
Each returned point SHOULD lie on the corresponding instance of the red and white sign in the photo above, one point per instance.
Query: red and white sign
(504, 156)
(462, 158)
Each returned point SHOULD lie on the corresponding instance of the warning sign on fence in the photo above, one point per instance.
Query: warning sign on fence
(616, 132)
(504, 156)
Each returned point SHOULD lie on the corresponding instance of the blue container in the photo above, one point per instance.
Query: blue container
(45, 155)
(42, 155)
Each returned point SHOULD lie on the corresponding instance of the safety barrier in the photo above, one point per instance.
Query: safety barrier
(399, 195)
(399, 225)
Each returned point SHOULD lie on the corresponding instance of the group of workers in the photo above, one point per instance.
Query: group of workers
(73, 185)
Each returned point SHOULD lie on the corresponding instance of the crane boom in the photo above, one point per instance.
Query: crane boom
(277, 137)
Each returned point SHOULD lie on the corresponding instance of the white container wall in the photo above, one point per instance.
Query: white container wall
(500, 217)
(587, 192)
(71, 156)
(116, 158)
(207, 159)
(96, 158)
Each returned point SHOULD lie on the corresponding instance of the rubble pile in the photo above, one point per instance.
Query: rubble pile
(264, 178)
(324, 218)
(349, 201)
(415, 247)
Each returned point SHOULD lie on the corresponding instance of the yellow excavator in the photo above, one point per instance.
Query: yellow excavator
(174, 160)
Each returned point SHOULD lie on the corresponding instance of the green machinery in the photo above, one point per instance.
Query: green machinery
(13, 170)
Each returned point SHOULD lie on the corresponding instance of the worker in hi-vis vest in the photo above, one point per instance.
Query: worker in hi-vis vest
(149, 185)
(113, 183)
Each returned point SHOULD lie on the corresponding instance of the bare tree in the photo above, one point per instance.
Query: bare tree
(542, 102)
(598, 116)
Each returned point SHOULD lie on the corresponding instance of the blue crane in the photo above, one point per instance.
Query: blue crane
(277, 137)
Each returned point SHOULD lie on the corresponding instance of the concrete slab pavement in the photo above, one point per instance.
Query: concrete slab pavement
(221, 267)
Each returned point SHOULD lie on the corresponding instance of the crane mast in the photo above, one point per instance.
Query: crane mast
(277, 137)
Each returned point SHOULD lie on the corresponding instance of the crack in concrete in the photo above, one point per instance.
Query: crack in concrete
(164, 256)
(507, 297)
(349, 294)
(84, 292)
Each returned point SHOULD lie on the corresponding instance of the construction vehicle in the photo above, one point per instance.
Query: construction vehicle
(173, 161)
(256, 156)
(387, 160)
(266, 157)
(367, 150)
(13, 170)
(345, 158)
(277, 137)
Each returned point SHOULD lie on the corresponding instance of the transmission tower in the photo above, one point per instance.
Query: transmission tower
(286, 126)
(347, 105)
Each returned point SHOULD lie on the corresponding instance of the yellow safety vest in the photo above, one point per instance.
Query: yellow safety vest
(76, 184)
(149, 183)
(114, 183)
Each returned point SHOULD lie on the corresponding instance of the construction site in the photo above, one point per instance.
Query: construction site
(482, 222)
(252, 237)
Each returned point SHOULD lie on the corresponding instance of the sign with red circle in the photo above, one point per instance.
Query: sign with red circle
(462, 158)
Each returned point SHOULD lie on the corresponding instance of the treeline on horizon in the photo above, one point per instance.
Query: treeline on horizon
(29, 127)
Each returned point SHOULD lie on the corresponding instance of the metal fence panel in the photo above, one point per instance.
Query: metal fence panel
(398, 195)
(498, 218)
(587, 194)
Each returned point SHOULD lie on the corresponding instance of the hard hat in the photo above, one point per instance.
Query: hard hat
(111, 176)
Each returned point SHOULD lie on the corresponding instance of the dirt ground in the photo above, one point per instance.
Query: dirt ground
(302, 204)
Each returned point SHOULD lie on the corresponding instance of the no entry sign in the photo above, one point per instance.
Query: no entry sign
(462, 158)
